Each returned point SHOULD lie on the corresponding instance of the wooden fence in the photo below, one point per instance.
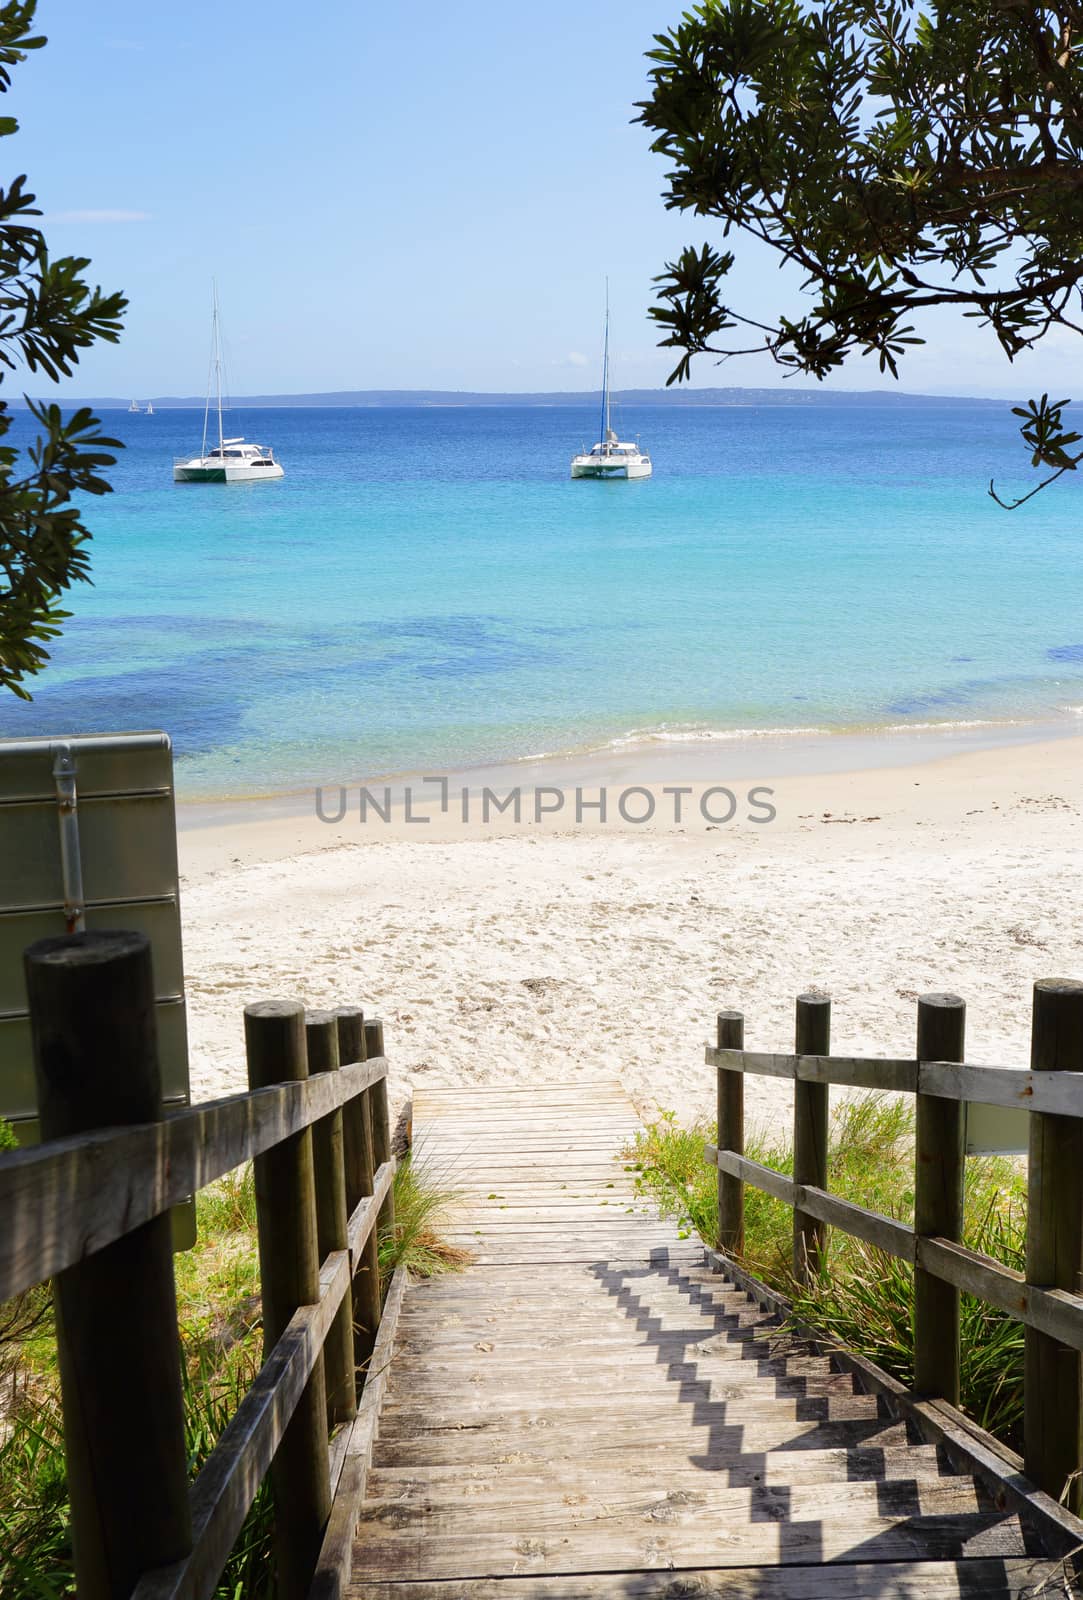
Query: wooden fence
(1046, 1298)
(89, 1209)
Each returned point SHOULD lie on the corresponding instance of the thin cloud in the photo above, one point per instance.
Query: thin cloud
(107, 215)
(574, 358)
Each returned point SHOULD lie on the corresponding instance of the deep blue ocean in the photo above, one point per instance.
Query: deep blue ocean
(427, 589)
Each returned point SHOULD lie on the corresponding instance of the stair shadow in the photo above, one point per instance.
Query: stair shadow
(913, 1536)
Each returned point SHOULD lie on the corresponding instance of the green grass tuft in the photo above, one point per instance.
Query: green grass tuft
(424, 1194)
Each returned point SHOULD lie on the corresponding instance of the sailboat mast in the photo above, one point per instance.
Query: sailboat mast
(605, 374)
(218, 366)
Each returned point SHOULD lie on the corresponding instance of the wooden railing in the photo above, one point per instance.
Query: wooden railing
(1046, 1298)
(89, 1208)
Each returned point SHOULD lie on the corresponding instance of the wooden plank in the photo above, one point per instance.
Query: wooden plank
(680, 1535)
(332, 1220)
(730, 1106)
(550, 1510)
(810, 1107)
(883, 1232)
(753, 1172)
(336, 1553)
(485, 1412)
(663, 1469)
(855, 1072)
(887, 1234)
(938, 1201)
(366, 1212)
(572, 1439)
(1052, 1373)
(65, 1200)
(992, 1578)
(1059, 1093)
(92, 1016)
(289, 1271)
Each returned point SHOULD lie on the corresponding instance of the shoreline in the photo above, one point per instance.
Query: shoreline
(791, 758)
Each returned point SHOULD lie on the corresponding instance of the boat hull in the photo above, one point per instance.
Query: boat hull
(605, 469)
(239, 474)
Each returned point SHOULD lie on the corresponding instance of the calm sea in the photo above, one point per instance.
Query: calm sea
(427, 589)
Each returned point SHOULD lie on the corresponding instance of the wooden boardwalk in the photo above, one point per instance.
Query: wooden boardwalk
(588, 1411)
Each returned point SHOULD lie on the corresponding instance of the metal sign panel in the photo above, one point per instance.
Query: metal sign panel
(995, 1130)
(88, 840)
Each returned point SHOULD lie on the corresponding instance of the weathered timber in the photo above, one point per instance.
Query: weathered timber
(991, 1578)
(730, 1026)
(336, 1552)
(938, 1200)
(812, 1037)
(66, 1199)
(380, 1121)
(332, 1219)
(289, 1279)
(92, 1017)
(854, 1072)
(361, 1166)
(883, 1232)
(1015, 1087)
(361, 1229)
(1053, 1374)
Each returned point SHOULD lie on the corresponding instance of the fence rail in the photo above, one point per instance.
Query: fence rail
(1046, 1298)
(1016, 1088)
(89, 1210)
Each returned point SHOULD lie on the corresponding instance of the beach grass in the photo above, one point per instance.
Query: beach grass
(219, 1317)
(862, 1298)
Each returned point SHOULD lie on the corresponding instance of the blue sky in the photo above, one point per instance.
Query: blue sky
(390, 196)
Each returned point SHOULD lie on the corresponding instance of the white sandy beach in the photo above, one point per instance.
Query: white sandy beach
(551, 953)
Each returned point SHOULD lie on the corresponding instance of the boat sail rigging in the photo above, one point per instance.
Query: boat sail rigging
(611, 457)
(231, 460)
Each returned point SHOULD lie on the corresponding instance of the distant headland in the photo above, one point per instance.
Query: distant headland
(412, 398)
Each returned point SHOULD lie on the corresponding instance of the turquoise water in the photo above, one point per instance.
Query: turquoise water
(427, 589)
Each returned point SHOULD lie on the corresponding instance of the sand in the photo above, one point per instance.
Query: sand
(557, 953)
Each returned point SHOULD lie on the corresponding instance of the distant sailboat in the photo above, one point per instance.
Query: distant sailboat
(150, 409)
(611, 457)
(231, 460)
(135, 407)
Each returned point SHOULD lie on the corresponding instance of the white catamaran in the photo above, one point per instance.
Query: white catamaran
(612, 457)
(232, 460)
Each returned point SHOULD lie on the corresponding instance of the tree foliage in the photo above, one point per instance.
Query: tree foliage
(899, 158)
(48, 314)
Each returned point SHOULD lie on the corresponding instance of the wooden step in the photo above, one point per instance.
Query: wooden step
(547, 1438)
(610, 1475)
(678, 1534)
(989, 1578)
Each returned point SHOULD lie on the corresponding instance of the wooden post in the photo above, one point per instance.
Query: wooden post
(381, 1125)
(321, 1037)
(289, 1278)
(938, 1200)
(731, 1135)
(367, 1301)
(1052, 1391)
(812, 1037)
(96, 1065)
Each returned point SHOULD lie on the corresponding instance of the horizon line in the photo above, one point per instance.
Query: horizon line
(689, 397)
